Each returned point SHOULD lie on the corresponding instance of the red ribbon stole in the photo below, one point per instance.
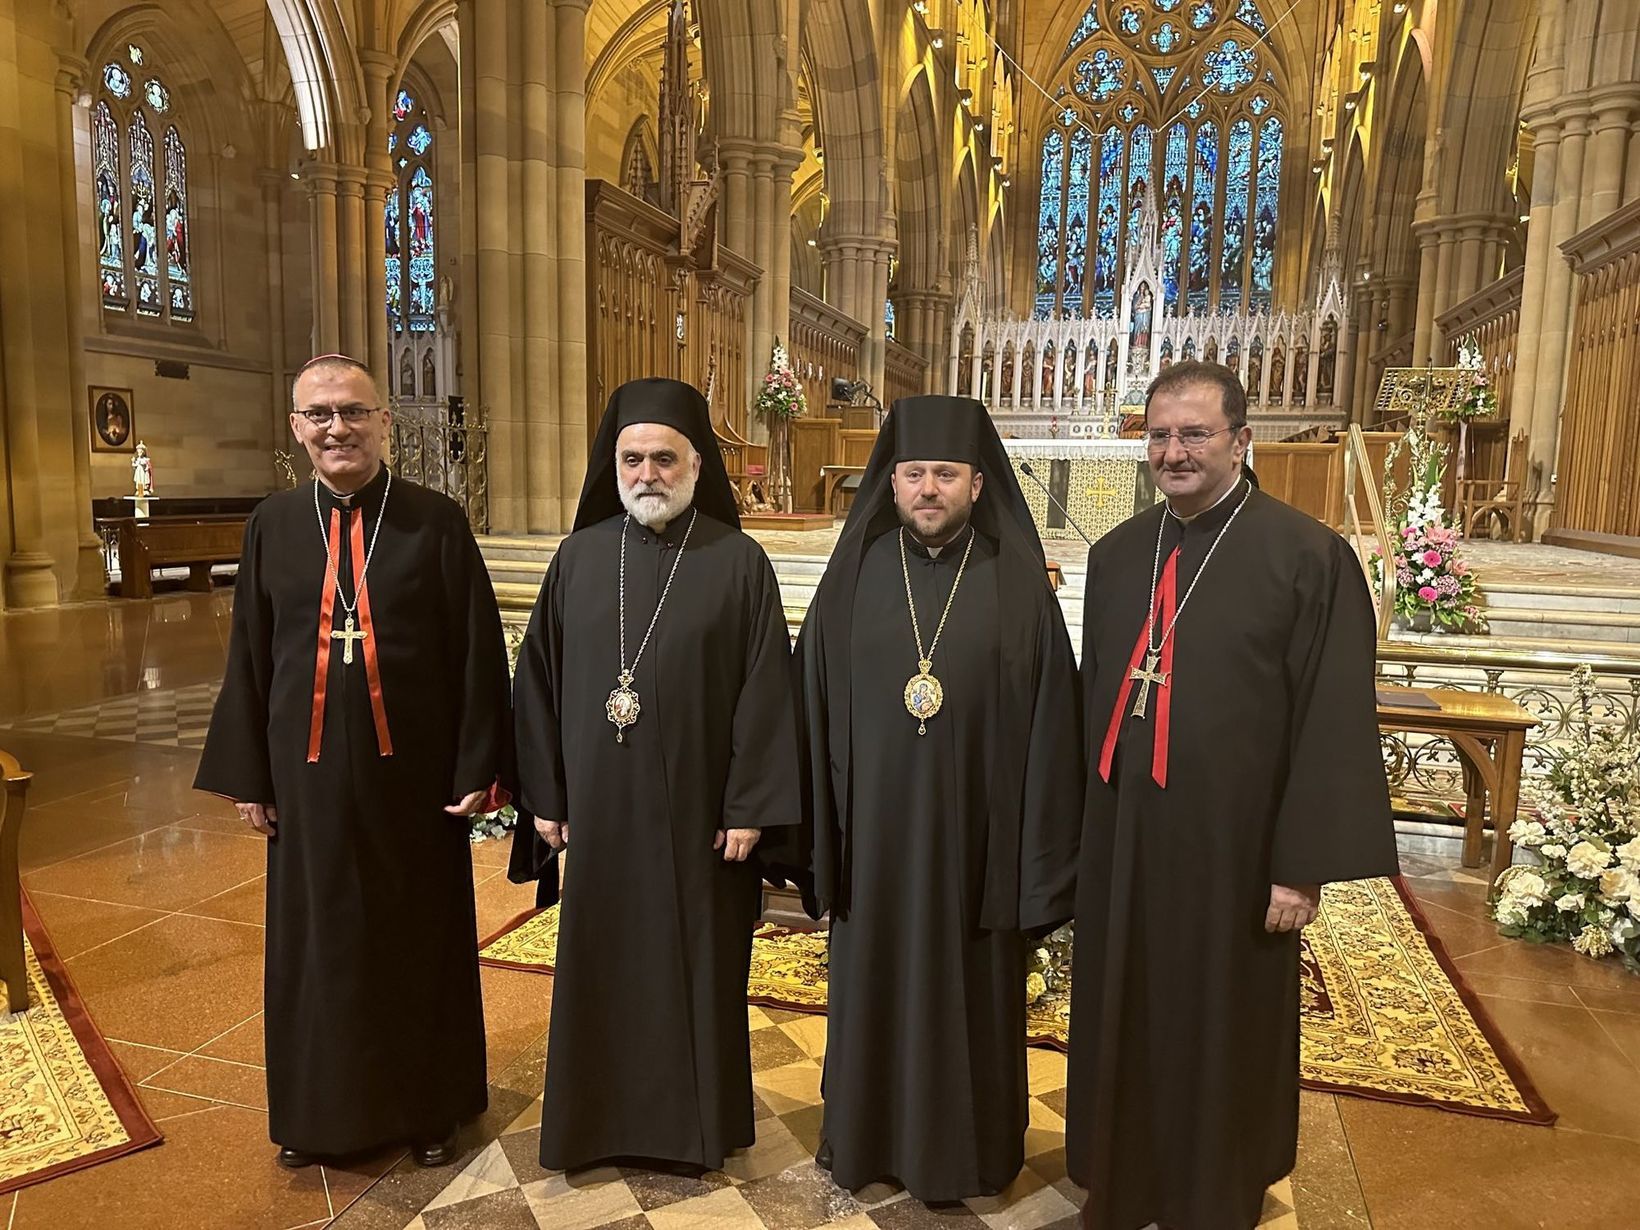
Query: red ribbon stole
(1161, 699)
(327, 625)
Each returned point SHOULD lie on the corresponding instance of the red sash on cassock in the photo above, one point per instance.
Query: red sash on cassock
(327, 625)
(1162, 698)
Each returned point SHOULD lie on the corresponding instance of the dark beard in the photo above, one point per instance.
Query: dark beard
(949, 530)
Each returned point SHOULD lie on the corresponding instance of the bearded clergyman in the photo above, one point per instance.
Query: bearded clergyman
(656, 723)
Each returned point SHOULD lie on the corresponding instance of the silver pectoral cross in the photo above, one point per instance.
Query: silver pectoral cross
(347, 636)
(1144, 678)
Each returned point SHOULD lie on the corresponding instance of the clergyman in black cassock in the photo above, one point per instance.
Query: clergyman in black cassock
(936, 852)
(359, 741)
(1250, 776)
(648, 1054)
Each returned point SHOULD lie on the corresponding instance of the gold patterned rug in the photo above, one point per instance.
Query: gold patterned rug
(1384, 1012)
(65, 1104)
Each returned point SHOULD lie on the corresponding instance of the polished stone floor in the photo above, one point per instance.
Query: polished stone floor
(153, 895)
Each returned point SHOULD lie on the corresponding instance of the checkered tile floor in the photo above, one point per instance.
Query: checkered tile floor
(774, 1185)
(169, 717)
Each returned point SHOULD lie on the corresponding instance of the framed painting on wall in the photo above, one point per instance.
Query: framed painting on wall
(113, 423)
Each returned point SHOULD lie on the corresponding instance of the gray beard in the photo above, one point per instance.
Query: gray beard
(657, 514)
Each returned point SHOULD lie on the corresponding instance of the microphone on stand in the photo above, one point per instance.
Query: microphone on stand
(1025, 469)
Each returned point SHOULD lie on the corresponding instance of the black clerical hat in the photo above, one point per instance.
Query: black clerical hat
(938, 429)
(671, 403)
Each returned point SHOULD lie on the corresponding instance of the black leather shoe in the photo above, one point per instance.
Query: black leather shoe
(438, 1153)
(294, 1159)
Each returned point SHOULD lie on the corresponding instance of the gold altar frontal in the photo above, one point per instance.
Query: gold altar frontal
(1100, 483)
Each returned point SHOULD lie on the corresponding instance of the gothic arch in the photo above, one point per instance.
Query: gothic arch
(1402, 155)
(1490, 46)
(919, 198)
(425, 21)
(840, 48)
(326, 76)
(750, 58)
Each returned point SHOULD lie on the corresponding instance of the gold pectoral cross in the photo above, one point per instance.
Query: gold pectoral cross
(1144, 678)
(347, 636)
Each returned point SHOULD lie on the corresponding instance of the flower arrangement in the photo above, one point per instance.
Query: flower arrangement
(1585, 888)
(1432, 580)
(1477, 398)
(780, 397)
(1049, 967)
(499, 823)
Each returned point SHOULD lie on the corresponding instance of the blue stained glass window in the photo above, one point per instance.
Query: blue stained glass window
(1165, 6)
(1205, 177)
(144, 226)
(1129, 21)
(117, 80)
(1047, 229)
(1166, 37)
(1174, 169)
(1101, 76)
(1230, 67)
(403, 105)
(1267, 192)
(1249, 15)
(1108, 228)
(1202, 14)
(1138, 178)
(1129, 113)
(888, 319)
(1067, 117)
(1085, 28)
(1259, 105)
(392, 142)
(1238, 185)
(394, 229)
(176, 227)
(419, 139)
(1194, 110)
(1164, 78)
(105, 144)
(1076, 220)
(419, 237)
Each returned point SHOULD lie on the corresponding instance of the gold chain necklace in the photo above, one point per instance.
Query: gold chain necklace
(622, 708)
(924, 694)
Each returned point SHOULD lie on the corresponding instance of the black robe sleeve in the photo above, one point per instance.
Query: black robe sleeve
(473, 622)
(1051, 814)
(758, 793)
(538, 738)
(235, 762)
(1334, 822)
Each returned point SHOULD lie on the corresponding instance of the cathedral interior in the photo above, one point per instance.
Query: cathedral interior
(506, 210)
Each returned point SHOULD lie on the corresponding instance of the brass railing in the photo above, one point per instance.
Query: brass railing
(445, 450)
(1428, 768)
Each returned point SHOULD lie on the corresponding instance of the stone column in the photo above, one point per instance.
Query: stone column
(350, 266)
(569, 345)
(1445, 256)
(1366, 341)
(89, 574)
(378, 182)
(1555, 322)
(1344, 366)
(273, 189)
(1424, 318)
(1535, 271)
(924, 325)
(1468, 278)
(1606, 152)
(320, 179)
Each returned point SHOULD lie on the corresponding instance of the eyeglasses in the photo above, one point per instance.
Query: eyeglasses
(1192, 439)
(350, 415)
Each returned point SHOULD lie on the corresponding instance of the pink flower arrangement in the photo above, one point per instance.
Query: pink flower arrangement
(1430, 577)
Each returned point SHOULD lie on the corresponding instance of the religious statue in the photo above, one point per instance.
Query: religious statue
(142, 471)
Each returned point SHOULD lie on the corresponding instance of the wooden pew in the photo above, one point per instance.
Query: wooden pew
(164, 542)
(13, 964)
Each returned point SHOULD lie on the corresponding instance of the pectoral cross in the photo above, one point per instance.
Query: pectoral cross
(1144, 678)
(347, 636)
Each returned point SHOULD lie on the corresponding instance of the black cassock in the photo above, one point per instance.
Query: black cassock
(925, 1076)
(374, 1024)
(1183, 1089)
(648, 1053)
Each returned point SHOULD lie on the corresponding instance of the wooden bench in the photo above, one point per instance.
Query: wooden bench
(13, 965)
(166, 542)
(1488, 732)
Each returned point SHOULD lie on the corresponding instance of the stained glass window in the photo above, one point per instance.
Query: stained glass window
(1267, 192)
(105, 145)
(1182, 154)
(144, 228)
(1238, 184)
(888, 319)
(1108, 228)
(409, 222)
(1086, 28)
(1047, 237)
(1076, 220)
(1205, 177)
(1172, 226)
(176, 227)
(140, 189)
(1230, 67)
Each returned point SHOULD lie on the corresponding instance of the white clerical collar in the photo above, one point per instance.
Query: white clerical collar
(1228, 492)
